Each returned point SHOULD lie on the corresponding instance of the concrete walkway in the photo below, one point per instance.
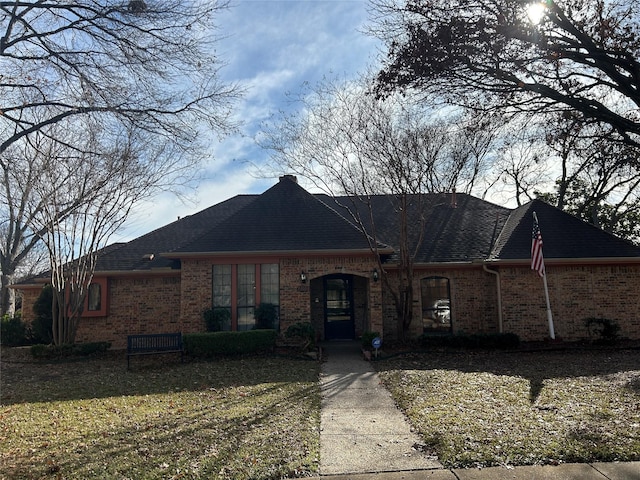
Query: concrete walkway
(363, 435)
(361, 430)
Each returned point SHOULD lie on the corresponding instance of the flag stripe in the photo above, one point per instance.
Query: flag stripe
(537, 260)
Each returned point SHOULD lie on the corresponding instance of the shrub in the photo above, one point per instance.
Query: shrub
(13, 331)
(484, 341)
(60, 351)
(303, 331)
(266, 315)
(42, 324)
(367, 338)
(604, 330)
(229, 343)
(217, 319)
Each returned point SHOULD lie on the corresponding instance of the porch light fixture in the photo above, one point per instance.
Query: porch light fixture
(375, 275)
(303, 277)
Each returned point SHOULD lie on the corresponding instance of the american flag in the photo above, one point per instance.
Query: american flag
(537, 260)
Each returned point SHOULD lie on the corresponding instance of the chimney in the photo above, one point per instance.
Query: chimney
(292, 178)
(454, 200)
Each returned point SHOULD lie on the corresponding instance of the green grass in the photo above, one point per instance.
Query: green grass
(253, 418)
(481, 409)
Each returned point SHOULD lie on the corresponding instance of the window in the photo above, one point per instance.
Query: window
(222, 295)
(436, 304)
(246, 296)
(95, 303)
(94, 297)
(239, 289)
(270, 288)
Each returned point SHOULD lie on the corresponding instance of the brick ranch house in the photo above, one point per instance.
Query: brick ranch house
(303, 253)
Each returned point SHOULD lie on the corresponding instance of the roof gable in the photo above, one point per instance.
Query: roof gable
(564, 236)
(284, 218)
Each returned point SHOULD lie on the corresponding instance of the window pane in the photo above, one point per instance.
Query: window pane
(246, 320)
(222, 286)
(246, 285)
(270, 283)
(246, 296)
(436, 304)
(270, 289)
(94, 297)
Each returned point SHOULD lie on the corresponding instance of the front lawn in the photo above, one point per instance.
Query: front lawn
(480, 409)
(253, 418)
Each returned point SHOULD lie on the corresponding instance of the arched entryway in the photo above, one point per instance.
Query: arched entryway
(339, 313)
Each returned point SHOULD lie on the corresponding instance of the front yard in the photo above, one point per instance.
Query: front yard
(480, 409)
(258, 418)
(239, 419)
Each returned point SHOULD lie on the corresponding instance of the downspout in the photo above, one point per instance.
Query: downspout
(497, 274)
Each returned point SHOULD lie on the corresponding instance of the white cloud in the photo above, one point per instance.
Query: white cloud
(271, 48)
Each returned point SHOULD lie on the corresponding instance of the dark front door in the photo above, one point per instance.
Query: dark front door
(338, 308)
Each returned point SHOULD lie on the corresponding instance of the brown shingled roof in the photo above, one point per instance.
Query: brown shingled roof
(286, 218)
(564, 236)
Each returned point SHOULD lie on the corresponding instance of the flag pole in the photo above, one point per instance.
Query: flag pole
(549, 315)
(546, 294)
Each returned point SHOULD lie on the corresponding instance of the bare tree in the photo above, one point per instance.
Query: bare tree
(349, 143)
(150, 64)
(79, 200)
(143, 71)
(597, 180)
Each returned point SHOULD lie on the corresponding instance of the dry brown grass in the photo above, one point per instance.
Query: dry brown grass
(499, 408)
(253, 418)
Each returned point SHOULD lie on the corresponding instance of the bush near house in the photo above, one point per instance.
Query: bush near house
(486, 341)
(217, 319)
(266, 315)
(61, 351)
(13, 331)
(603, 330)
(303, 333)
(214, 344)
(367, 338)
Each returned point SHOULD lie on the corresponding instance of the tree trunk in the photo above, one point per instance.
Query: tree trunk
(7, 295)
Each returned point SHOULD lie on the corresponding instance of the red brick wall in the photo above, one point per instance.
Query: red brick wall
(29, 297)
(136, 305)
(297, 299)
(575, 293)
(196, 293)
(169, 303)
(473, 301)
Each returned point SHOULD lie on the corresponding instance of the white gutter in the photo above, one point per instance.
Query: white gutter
(497, 274)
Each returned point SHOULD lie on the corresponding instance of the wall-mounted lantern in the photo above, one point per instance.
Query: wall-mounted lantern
(303, 277)
(375, 275)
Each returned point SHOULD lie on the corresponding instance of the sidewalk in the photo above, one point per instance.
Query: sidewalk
(361, 430)
(363, 436)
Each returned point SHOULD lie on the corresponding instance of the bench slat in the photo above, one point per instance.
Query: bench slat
(144, 344)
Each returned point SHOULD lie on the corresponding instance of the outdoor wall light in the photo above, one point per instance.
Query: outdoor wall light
(303, 277)
(375, 275)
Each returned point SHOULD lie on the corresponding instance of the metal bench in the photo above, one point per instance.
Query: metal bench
(154, 343)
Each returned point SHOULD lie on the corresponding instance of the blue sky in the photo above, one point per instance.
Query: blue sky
(271, 47)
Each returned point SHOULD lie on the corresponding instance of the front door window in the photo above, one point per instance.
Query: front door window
(339, 322)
